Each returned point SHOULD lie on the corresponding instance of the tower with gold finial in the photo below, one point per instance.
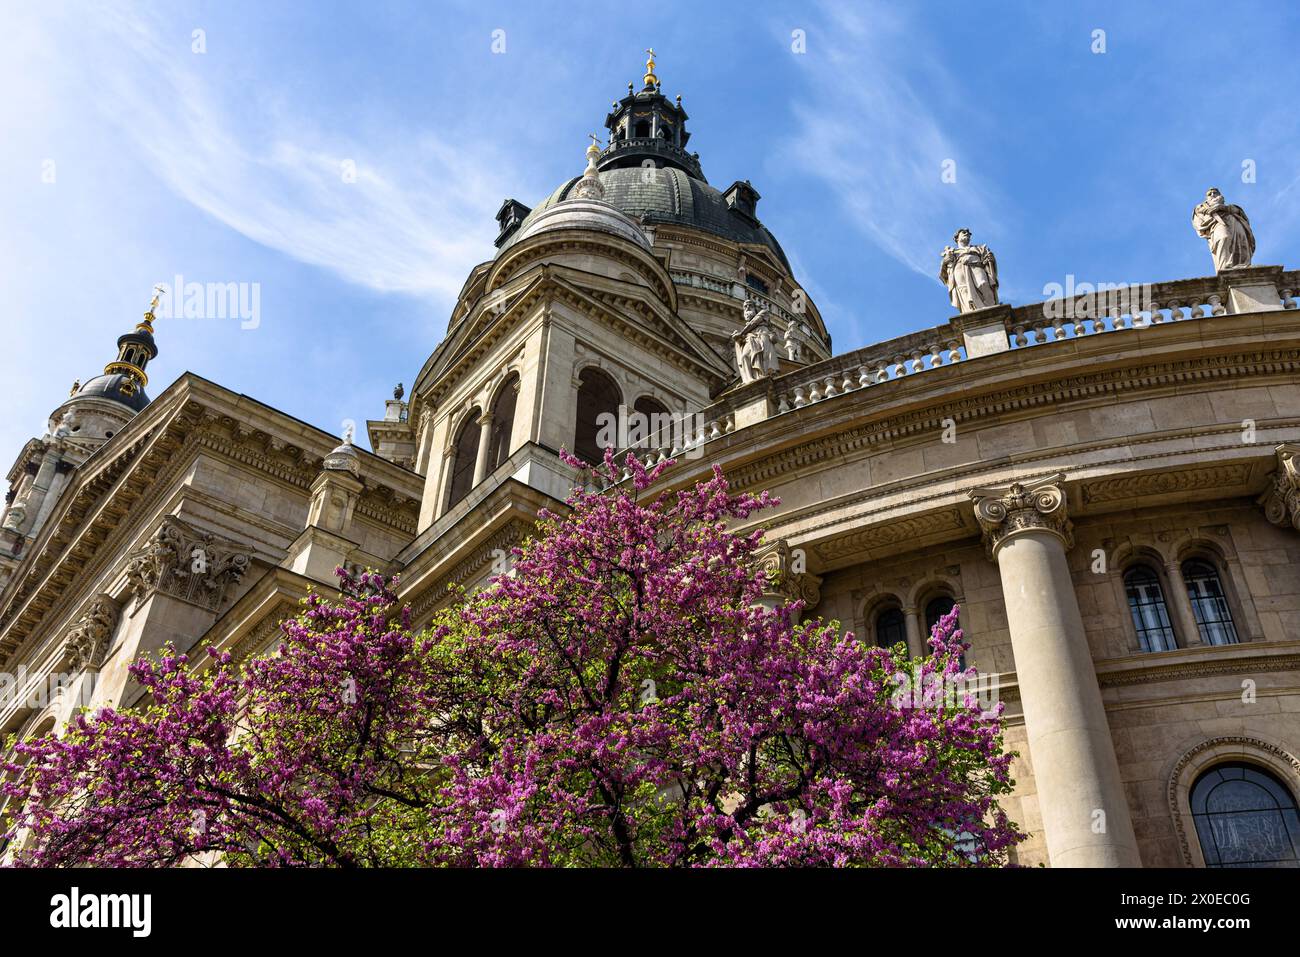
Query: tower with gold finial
(90, 416)
(646, 129)
(135, 350)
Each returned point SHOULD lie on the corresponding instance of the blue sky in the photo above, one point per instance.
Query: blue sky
(226, 165)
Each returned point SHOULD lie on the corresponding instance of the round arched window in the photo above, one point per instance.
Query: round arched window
(1245, 817)
(464, 459)
(598, 402)
(891, 627)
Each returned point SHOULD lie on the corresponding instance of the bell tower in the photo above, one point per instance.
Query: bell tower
(645, 129)
(91, 415)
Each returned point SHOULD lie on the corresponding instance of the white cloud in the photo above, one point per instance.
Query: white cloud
(875, 140)
(416, 215)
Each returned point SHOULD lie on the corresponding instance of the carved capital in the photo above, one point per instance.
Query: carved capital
(1022, 507)
(788, 578)
(87, 641)
(1281, 500)
(186, 563)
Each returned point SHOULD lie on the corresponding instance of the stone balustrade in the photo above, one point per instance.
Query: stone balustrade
(967, 337)
(903, 356)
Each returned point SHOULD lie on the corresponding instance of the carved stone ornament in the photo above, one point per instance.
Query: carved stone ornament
(186, 563)
(88, 639)
(787, 576)
(1019, 507)
(1281, 500)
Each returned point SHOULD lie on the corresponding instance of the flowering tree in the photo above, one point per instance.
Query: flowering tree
(621, 698)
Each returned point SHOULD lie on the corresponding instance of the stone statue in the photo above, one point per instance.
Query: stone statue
(793, 345)
(1226, 229)
(67, 423)
(755, 344)
(970, 273)
(15, 515)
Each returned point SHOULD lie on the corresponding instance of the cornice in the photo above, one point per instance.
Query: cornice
(521, 257)
(555, 283)
(89, 530)
(427, 599)
(963, 407)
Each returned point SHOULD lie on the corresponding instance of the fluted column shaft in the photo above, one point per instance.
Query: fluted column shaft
(1086, 821)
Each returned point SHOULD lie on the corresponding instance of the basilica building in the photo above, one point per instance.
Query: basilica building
(1107, 485)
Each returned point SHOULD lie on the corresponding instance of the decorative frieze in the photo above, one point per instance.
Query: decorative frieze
(1124, 487)
(1020, 507)
(88, 640)
(1281, 500)
(886, 534)
(186, 563)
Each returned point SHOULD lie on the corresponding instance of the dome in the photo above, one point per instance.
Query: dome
(582, 214)
(664, 195)
(110, 387)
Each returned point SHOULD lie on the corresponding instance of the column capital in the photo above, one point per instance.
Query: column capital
(1281, 500)
(187, 563)
(1003, 512)
(787, 573)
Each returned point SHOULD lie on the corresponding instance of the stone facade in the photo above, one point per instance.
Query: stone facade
(1017, 461)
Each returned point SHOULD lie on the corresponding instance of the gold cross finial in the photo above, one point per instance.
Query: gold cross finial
(650, 79)
(147, 324)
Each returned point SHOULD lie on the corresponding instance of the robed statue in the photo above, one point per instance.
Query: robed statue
(1226, 229)
(970, 273)
(755, 344)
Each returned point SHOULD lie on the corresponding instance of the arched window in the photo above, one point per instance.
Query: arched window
(1146, 602)
(1213, 617)
(654, 427)
(891, 627)
(598, 395)
(1245, 817)
(935, 609)
(503, 423)
(463, 459)
(642, 129)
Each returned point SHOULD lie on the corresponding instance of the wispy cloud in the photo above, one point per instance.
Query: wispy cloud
(875, 140)
(404, 212)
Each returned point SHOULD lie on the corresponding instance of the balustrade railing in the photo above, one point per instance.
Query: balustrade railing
(1104, 312)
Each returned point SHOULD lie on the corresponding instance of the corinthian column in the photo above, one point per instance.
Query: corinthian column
(1281, 500)
(1086, 819)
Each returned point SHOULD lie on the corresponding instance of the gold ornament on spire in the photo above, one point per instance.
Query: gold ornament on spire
(650, 79)
(132, 354)
(147, 324)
